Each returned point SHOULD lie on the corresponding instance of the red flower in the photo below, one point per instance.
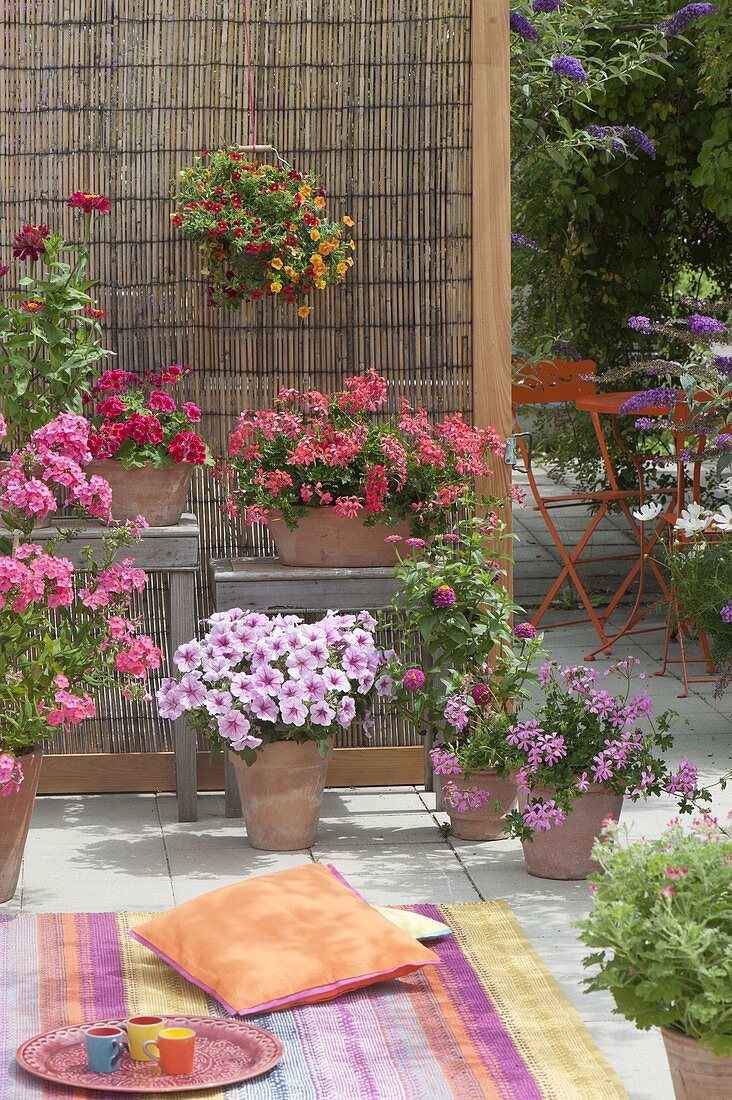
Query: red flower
(95, 314)
(161, 402)
(192, 412)
(115, 381)
(30, 242)
(108, 440)
(4, 269)
(111, 406)
(144, 429)
(32, 305)
(177, 219)
(188, 447)
(87, 202)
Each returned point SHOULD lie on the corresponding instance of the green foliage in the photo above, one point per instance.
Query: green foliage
(661, 931)
(702, 577)
(48, 358)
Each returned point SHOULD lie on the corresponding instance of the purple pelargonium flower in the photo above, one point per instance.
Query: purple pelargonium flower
(680, 20)
(523, 27)
(569, 67)
(702, 325)
(662, 397)
(684, 780)
(443, 596)
(519, 240)
(525, 631)
(726, 613)
(543, 815)
(413, 679)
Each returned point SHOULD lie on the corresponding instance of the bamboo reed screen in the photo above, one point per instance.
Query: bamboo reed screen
(117, 95)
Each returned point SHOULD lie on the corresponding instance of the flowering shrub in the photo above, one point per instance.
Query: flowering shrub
(262, 230)
(138, 423)
(584, 735)
(661, 930)
(477, 667)
(53, 459)
(252, 679)
(313, 451)
(60, 647)
(50, 342)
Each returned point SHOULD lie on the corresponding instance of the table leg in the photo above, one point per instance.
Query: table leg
(182, 629)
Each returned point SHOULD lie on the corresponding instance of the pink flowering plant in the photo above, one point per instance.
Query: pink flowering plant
(476, 667)
(50, 332)
(317, 451)
(253, 679)
(660, 929)
(138, 422)
(584, 735)
(53, 461)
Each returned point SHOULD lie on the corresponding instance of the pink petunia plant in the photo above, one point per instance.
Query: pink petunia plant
(253, 679)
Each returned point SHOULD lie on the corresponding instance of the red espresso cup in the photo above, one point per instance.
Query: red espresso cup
(173, 1049)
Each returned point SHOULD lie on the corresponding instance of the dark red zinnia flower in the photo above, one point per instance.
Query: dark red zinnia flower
(88, 202)
(30, 242)
(32, 305)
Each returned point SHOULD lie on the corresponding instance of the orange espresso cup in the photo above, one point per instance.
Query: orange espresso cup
(173, 1049)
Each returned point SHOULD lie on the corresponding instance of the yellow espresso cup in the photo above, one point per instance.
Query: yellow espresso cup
(140, 1029)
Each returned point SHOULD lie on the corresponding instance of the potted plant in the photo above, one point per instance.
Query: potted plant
(700, 562)
(273, 692)
(50, 342)
(475, 669)
(262, 230)
(144, 444)
(582, 752)
(59, 643)
(332, 480)
(660, 931)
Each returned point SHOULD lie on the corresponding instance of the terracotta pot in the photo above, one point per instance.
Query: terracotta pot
(563, 852)
(697, 1072)
(281, 794)
(488, 822)
(158, 495)
(324, 540)
(16, 811)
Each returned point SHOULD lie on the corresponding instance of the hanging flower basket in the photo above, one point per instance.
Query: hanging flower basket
(261, 229)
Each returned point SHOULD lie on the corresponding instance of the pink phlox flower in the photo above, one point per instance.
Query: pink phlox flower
(523, 781)
(463, 801)
(601, 771)
(456, 711)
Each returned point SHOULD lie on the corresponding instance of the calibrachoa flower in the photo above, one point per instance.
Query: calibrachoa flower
(138, 423)
(275, 678)
(571, 68)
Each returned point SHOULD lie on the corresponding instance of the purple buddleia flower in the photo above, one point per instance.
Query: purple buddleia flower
(518, 240)
(677, 23)
(641, 324)
(547, 5)
(726, 613)
(633, 136)
(701, 325)
(562, 350)
(723, 442)
(660, 398)
(569, 67)
(645, 424)
(523, 27)
(724, 363)
(622, 137)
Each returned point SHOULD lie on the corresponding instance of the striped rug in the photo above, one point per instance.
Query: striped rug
(488, 1022)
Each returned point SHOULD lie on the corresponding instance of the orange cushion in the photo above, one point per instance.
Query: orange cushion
(293, 937)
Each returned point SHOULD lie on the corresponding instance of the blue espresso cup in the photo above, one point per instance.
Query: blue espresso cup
(104, 1046)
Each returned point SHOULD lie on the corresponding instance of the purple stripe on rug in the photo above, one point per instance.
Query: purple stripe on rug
(110, 1000)
(476, 1010)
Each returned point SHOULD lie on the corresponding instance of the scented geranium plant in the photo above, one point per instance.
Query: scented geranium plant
(253, 679)
(262, 230)
(52, 462)
(476, 667)
(584, 735)
(317, 451)
(139, 423)
(660, 929)
(51, 339)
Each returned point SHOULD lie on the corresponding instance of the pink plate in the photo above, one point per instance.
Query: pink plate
(227, 1051)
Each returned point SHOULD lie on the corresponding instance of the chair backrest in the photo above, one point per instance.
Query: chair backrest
(552, 381)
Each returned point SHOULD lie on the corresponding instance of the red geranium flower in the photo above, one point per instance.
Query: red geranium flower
(87, 202)
(192, 412)
(144, 429)
(30, 242)
(32, 305)
(161, 402)
(111, 406)
(188, 447)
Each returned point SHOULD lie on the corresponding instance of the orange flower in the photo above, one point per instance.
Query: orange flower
(314, 234)
(319, 202)
(306, 191)
(341, 269)
(276, 263)
(303, 311)
(349, 261)
(325, 248)
(275, 287)
(320, 284)
(348, 221)
(352, 244)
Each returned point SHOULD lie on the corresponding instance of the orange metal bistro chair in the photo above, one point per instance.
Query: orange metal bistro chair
(553, 383)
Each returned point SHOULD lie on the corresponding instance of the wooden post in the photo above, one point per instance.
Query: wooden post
(491, 228)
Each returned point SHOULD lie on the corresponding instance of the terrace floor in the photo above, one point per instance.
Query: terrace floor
(129, 852)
